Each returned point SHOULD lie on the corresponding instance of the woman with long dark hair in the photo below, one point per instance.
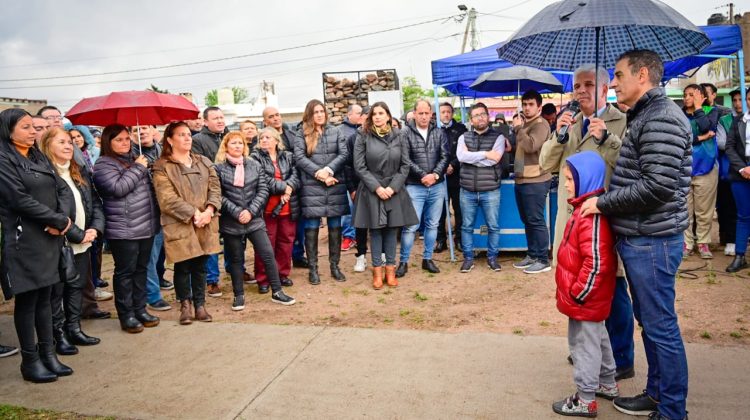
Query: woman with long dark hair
(88, 224)
(321, 152)
(189, 197)
(382, 204)
(131, 222)
(33, 213)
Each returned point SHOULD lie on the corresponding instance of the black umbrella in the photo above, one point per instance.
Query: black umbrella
(570, 33)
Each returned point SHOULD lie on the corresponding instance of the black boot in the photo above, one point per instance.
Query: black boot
(311, 245)
(334, 253)
(33, 370)
(147, 319)
(737, 264)
(78, 337)
(62, 345)
(402, 269)
(49, 358)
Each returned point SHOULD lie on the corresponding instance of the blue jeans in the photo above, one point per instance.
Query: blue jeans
(428, 203)
(212, 269)
(298, 248)
(314, 223)
(489, 201)
(651, 264)
(348, 231)
(153, 289)
(741, 192)
(530, 200)
(620, 326)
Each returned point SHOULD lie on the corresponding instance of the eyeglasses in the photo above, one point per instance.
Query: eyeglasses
(53, 118)
(482, 115)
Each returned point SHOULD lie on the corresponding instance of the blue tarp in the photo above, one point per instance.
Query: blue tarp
(456, 73)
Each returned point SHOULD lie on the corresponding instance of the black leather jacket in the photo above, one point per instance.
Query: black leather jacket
(426, 156)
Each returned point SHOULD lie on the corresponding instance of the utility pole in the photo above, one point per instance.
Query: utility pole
(471, 28)
(731, 13)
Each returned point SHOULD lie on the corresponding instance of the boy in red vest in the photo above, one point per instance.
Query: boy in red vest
(586, 270)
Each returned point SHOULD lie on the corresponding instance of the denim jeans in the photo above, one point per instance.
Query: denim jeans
(489, 202)
(153, 289)
(212, 269)
(620, 326)
(383, 241)
(298, 249)
(530, 200)
(314, 223)
(651, 264)
(347, 229)
(428, 203)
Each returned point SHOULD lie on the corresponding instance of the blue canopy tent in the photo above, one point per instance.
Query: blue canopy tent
(456, 73)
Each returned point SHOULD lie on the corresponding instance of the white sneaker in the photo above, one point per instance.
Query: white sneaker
(729, 249)
(360, 265)
(101, 294)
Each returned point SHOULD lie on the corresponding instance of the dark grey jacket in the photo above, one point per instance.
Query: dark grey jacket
(382, 162)
(650, 183)
(206, 143)
(735, 149)
(130, 209)
(317, 199)
(33, 197)
(454, 132)
(251, 197)
(288, 173)
(426, 156)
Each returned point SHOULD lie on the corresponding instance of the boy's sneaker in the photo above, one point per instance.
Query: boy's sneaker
(537, 267)
(526, 262)
(640, 405)
(282, 298)
(160, 305)
(467, 266)
(360, 264)
(686, 251)
(213, 290)
(493, 264)
(705, 251)
(248, 278)
(166, 284)
(6, 351)
(729, 250)
(347, 244)
(608, 393)
(239, 303)
(574, 406)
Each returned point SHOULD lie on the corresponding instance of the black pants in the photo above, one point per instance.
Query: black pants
(190, 280)
(361, 236)
(131, 262)
(33, 316)
(454, 193)
(726, 212)
(383, 241)
(530, 200)
(67, 297)
(234, 252)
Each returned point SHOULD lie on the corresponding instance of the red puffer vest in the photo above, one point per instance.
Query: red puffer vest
(586, 265)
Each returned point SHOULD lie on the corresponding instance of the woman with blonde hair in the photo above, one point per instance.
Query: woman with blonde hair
(244, 191)
(321, 152)
(57, 145)
(189, 197)
(282, 209)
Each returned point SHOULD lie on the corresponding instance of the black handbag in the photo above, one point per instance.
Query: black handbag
(67, 267)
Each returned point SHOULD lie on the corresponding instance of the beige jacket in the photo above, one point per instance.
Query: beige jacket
(553, 157)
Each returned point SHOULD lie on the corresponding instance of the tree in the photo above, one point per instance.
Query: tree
(411, 91)
(212, 98)
(238, 93)
(153, 88)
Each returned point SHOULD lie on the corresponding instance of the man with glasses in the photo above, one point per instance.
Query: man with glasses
(479, 151)
(52, 115)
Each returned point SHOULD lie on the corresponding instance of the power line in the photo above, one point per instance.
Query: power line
(233, 57)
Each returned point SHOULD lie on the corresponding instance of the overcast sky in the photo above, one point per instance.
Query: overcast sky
(43, 39)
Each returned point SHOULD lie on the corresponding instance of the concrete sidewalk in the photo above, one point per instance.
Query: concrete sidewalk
(221, 370)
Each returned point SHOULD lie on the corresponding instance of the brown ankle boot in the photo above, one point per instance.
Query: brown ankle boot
(390, 276)
(186, 315)
(202, 315)
(377, 277)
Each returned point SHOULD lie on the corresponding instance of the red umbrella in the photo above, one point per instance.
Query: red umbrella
(132, 108)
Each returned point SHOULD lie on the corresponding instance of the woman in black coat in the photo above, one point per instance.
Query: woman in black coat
(282, 209)
(321, 152)
(382, 204)
(738, 152)
(88, 224)
(33, 216)
(244, 192)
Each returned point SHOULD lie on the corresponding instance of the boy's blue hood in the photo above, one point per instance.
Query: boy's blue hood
(589, 171)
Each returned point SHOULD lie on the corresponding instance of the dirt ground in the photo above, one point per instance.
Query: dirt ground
(713, 306)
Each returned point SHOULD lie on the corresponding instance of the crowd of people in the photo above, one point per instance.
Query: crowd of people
(640, 181)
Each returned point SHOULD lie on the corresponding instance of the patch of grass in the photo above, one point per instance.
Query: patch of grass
(544, 324)
(11, 412)
(430, 275)
(420, 297)
(706, 335)
(711, 277)
(417, 318)
(363, 292)
(387, 291)
(345, 291)
(404, 312)
(381, 299)
(735, 334)
(517, 331)
(388, 320)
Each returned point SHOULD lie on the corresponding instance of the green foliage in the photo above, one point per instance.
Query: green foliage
(411, 91)
(239, 94)
(212, 96)
(420, 297)
(154, 88)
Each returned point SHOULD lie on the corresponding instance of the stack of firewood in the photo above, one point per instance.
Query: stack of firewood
(340, 93)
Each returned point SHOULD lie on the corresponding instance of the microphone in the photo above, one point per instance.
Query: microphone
(562, 136)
